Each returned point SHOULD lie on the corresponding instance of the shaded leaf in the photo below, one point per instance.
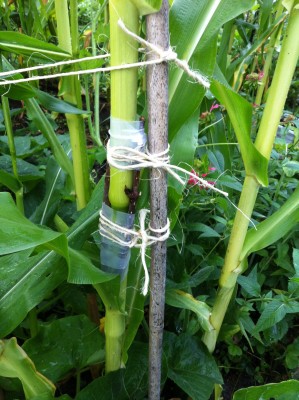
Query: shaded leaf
(65, 344)
(26, 171)
(191, 366)
(274, 312)
(125, 384)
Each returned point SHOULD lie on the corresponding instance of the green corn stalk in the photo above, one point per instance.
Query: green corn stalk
(123, 87)
(124, 50)
(123, 106)
(264, 142)
(70, 90)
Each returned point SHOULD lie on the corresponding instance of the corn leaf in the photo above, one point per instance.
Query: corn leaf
(147, 6)
(180, 299)
(194, 25)
(14, 363)
(18, 43)
(255, 164)
(274, 227)
(17, 233)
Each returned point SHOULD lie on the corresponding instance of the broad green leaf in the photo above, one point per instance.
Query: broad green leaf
(44, 125)
(9, 181)
(147, 6)
(274, 312)
(250, 283)
(274, 227)
(51, 103)
(26, 171)
(194, 25)
(180, 299)
(125, 384)
(191, 366)
(25, 282)
(19, 91)
(82, 271)
(191, 281)
(296, 260)
(288, 390)
(206, 230)
(14, 363)
(18, 43)
(80, 339)
(17, 233)
(289, 4)
(55, 181)
(292, 355)
(255, 164)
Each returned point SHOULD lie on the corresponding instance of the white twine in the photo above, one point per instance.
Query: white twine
(135, 159)
(167, 55)
(164, 56)
(139, 239)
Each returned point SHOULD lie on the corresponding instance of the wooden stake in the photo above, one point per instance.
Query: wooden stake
(157, 89)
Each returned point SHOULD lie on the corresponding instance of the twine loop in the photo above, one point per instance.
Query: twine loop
(142, 238)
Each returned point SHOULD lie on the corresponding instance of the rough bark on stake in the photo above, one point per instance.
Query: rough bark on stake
(157, 89)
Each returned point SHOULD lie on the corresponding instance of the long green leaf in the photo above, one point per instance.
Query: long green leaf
(9, 181)
(274, 227)
(51, 103)
(26, 280)
(19, 91)
(194, 25)
(255, 164)
(17, 233)
(82, 271)
(44, 125)
(18, 43)
(180, 299)
(14, 363)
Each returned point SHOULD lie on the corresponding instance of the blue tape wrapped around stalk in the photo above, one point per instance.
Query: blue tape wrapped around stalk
(115, 257)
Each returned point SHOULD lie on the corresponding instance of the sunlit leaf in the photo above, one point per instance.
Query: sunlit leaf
(255, 163)
(274, 227)
(180, 299)
(18, 43)
(287, 390)
(147, 6)
(14, 363)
